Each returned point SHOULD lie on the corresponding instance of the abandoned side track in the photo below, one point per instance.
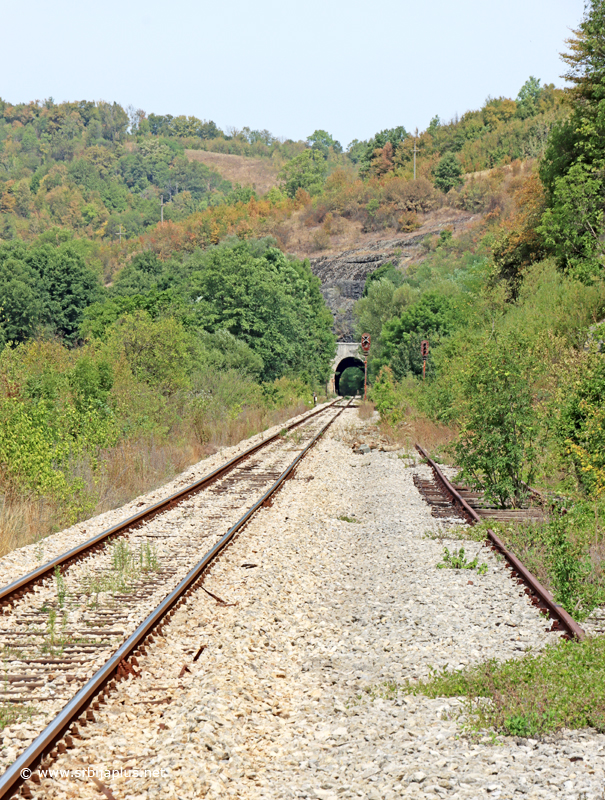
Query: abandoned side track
(59, 733)
(538, 594)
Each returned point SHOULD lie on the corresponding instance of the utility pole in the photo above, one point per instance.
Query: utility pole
(415, 151)
(120, 234)
(161, 209)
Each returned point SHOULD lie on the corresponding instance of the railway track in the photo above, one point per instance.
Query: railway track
(77, 625)
(450, 502)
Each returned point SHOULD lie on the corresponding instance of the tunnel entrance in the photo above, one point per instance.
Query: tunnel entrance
(350, 361)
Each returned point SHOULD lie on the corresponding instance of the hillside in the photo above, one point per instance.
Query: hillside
(343, 274)
(259, 173)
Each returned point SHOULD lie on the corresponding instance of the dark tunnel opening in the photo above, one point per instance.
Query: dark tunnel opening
(349, 361)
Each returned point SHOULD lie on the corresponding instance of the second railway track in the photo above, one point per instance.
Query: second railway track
(450, 502)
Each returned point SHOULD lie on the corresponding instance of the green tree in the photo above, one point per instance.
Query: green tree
(432, 317)
(305, 171)
(356, 150)
(573, 167)
(383, 302)
(114, 120)
(497, 444)
(572, 228)
(266, 300)
(581, 425)
(70, 286)
(322, 141)
(160, 352)
(528, 99)
(448, 172)
(22, 301)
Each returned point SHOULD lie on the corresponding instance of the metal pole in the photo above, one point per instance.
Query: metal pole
(423, 368)
(415, 151)
(365, 379)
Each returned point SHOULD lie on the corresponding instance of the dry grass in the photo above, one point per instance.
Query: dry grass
(297, 237)
(366, 410)
(433, 436)
(259, 173)
(339, 234)
(124, 472)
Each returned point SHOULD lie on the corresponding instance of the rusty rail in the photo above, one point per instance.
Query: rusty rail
(543, 596)
(118, 666)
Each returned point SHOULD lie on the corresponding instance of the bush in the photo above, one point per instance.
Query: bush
(581, 426)
(448, 172)
(496, 447)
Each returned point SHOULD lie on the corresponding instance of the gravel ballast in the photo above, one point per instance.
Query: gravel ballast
(264, 696)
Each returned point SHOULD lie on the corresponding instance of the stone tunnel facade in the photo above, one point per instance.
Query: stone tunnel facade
(348, 354)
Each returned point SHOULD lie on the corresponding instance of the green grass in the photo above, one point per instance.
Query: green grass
(457, 560)
(344, 518)
(11, 714)
(561, 687)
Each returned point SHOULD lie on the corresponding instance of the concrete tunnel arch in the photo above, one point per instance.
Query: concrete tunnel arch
(345, 351)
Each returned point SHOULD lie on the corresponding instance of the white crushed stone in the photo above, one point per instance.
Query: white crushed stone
(274, 706)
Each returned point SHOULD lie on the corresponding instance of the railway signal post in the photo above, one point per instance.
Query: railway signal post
(366, 341)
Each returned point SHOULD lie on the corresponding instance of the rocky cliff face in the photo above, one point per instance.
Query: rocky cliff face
(343, 275)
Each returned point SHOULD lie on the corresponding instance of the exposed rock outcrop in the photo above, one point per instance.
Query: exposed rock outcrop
(343, 275)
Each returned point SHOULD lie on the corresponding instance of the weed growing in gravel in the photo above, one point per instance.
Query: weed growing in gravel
(561, 687)
(11, 653)
(55, 639)
(457, 560)
(387, 690)
(39, 552)
(61, 589)
(473, 533)
(296, 437)
(344, 518)
(127, 567)
(148, 558)
(10, 714)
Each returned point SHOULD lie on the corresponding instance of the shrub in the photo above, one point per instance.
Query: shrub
(497, 442)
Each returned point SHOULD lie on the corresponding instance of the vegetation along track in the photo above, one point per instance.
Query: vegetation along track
(67, 640)
(446, 499)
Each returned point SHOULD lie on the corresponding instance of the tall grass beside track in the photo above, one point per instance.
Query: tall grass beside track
(125, 471)
(81, 434)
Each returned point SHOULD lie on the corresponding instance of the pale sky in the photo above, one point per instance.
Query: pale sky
(349, 67)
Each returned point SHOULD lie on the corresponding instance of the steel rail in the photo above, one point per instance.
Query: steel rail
(13, 778)
(556, 611)
(16, 589)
